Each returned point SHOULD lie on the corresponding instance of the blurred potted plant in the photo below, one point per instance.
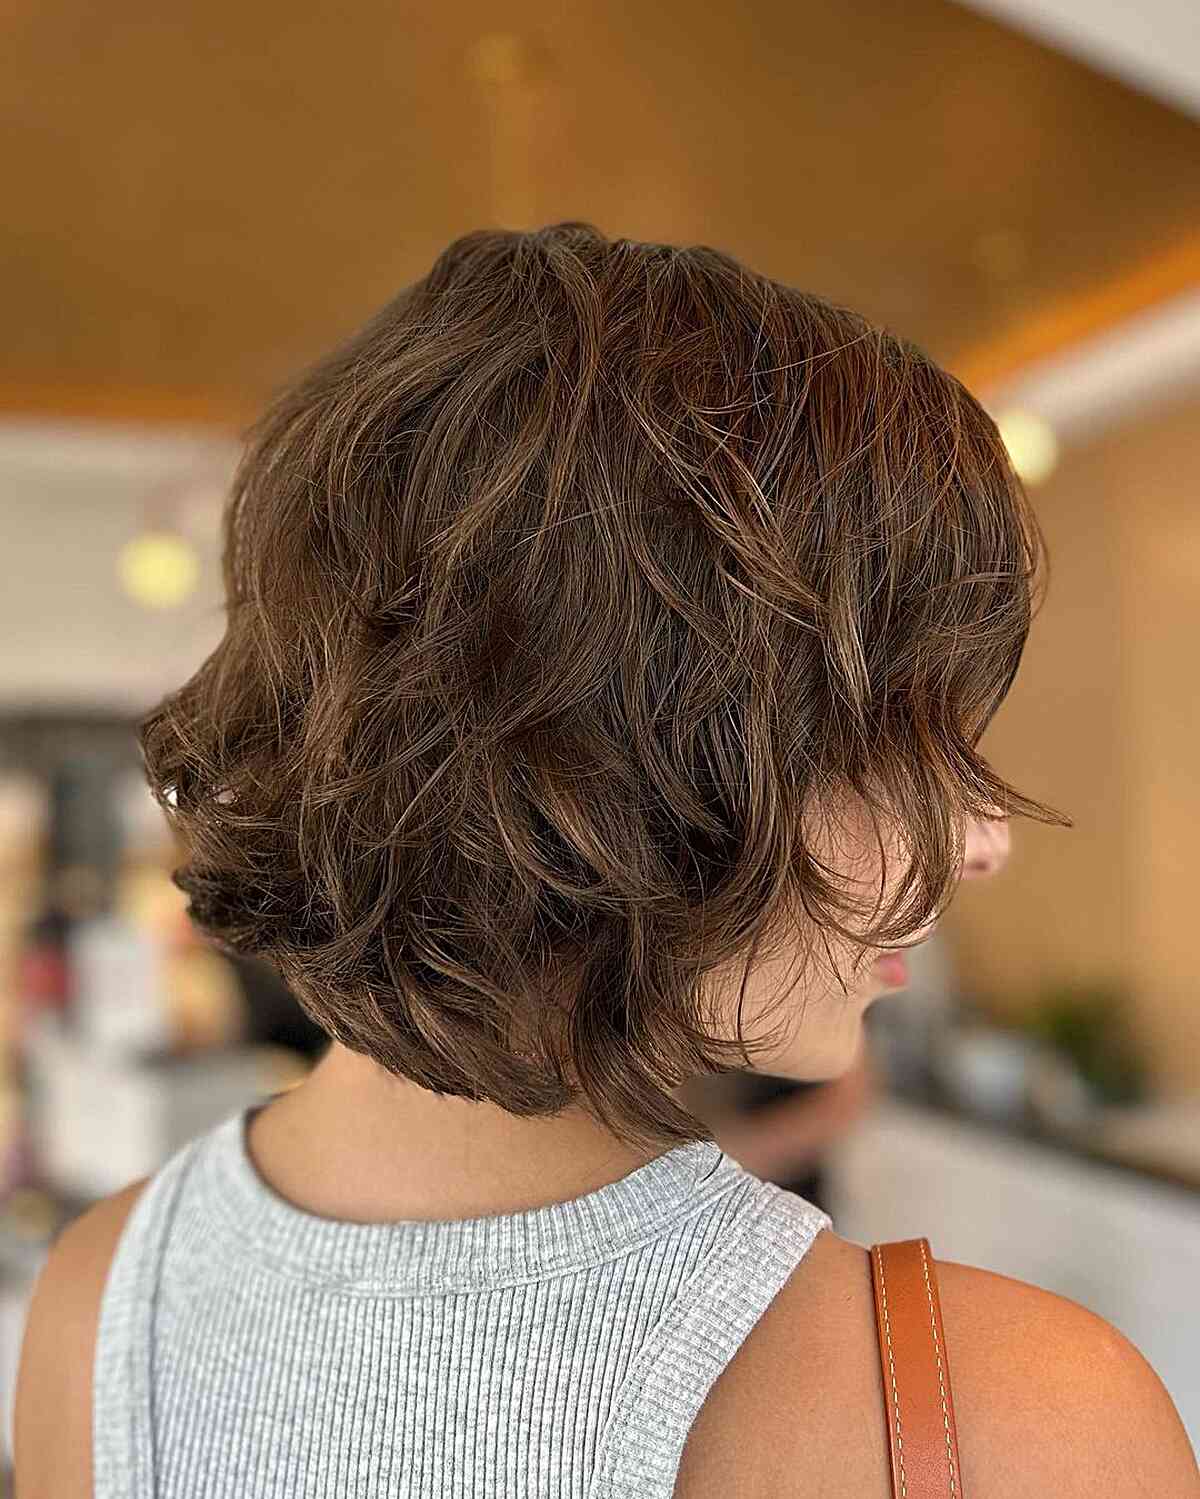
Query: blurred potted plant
(1090, 1058)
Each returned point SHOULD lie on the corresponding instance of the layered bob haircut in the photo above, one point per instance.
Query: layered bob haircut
(563, 600)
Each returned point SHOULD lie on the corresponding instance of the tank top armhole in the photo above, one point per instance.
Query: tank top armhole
(122, 1377)
(640, 1451)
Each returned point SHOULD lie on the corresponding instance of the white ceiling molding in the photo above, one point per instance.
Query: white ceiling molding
(1153, 45)
(1138, 363)
(119, 451)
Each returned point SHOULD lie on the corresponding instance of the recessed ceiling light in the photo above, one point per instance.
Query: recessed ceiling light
(158, 569)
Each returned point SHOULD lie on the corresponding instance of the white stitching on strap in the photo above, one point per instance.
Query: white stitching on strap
(887, 1328)
(941, 1384)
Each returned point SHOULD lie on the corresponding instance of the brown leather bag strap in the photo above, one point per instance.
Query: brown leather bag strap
(916, 1374)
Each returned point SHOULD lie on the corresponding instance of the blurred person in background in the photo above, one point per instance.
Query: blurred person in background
(779, 1128)
(611, 632)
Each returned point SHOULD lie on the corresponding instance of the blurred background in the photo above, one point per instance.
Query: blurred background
(200, 198)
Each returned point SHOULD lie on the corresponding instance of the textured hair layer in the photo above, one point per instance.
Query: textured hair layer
(561, 600)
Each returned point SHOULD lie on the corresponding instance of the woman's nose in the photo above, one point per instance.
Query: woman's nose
(987, 848)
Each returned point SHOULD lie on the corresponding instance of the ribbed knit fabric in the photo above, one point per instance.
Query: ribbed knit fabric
(250, 1350)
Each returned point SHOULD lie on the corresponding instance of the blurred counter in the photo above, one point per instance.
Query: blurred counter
(1158, 1141)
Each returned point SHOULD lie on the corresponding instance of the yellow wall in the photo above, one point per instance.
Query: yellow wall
(1104, 724)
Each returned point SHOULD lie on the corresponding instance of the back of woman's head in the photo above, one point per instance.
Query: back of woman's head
(563, 601)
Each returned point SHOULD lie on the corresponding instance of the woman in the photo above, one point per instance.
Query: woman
(611, 631)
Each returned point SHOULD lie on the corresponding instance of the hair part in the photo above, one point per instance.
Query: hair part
(563, 600)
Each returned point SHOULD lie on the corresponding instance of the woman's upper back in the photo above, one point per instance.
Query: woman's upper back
(687, 1330)
(248, 1347)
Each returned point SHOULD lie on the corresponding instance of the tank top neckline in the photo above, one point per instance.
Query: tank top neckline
(410, 1256)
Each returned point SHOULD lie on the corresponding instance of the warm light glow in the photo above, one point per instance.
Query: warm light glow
(158, 569)
(1031, 444)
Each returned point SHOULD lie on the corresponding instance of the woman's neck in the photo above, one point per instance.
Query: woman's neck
(353, 1142)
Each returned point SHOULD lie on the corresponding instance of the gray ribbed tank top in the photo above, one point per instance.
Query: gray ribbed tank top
(249, 1348)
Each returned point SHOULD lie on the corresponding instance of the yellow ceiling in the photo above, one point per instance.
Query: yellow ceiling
(199, 196)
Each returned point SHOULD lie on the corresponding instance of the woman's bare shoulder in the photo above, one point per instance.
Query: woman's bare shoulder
(52, 1416)
(1049, 1398)
(797, 1411)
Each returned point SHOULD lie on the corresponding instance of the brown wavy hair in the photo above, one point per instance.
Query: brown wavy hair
(561, 599)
